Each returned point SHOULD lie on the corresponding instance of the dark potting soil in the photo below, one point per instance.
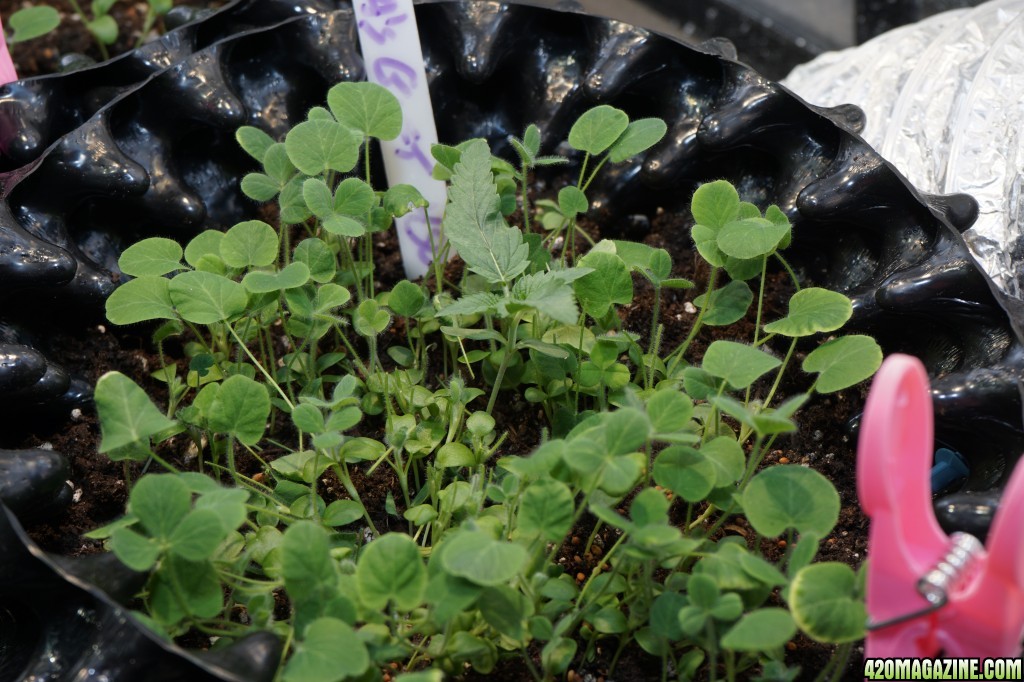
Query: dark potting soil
(822, 441)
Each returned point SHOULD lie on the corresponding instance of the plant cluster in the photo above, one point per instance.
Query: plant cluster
(662, 449)
(38, 20)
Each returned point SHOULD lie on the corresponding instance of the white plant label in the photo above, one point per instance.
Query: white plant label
(394, 59)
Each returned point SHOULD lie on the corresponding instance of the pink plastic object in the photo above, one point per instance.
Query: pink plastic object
(984, 613)
(7, 72)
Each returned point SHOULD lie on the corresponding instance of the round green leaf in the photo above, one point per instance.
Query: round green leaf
(406, 299)
(401, 199)
(104, 29)
(318, 197)
(843, 362)
(32, 22)
(825, 603)
(714, 204)
(198, 535)
(572, 201)
(454, 455)
(308, 418)
(727, 457)
(344, 226)
(251, 243)
(318, 257)
(390, 569)
(685, 471)
(790, 496)
(330, 651)
(354, 198)
(669, 411)
(367, 107)
(293, 275)
(154, 256)
(739, 364)
(343, 512)
(203, 244)
(240, 409)
(160, 501)
(546, 510)
(811, 311)
(138, 300)
(639, 136)
(597, 129)
(760, 630)
(727, 305)
(127, 415)
(260, 187)
(254, 141)
(135, 551)
(610, 283)
(318, 147)
(205, 298)
(750, 237)
(476, 556)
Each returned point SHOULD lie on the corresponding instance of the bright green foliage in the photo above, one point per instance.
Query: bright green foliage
(597, 129)
(367, 109)
(473, 222)
(796, 497)
(827, 603)
(811, 311)
(302, 381)
(843, 362)
(32, 22)
(127, 416)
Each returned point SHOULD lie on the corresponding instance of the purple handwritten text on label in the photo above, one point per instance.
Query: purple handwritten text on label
(379, 7)
(415, 230)
(382, 36)
(411, 150)
(395, 73)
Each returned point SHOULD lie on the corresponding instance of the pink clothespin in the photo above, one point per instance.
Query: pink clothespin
(7, 72)
(928, 592)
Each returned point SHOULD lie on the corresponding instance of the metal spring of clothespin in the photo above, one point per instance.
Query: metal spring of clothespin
(937, 584)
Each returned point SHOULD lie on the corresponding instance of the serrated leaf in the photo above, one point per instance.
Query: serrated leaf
(473, 221)
(610, 283)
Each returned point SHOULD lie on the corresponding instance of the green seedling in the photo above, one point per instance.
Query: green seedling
(294, 357)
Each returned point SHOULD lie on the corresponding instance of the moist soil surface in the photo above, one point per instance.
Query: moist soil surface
(822, 441)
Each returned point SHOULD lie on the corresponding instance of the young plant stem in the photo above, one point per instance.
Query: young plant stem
(261, 368)
(341, 471)
(677, 355)
(757, 320)
(510, 348)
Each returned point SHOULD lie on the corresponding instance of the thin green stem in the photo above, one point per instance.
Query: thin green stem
(789, 269)
(510, 348)
(677, 355)
(261, 368)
